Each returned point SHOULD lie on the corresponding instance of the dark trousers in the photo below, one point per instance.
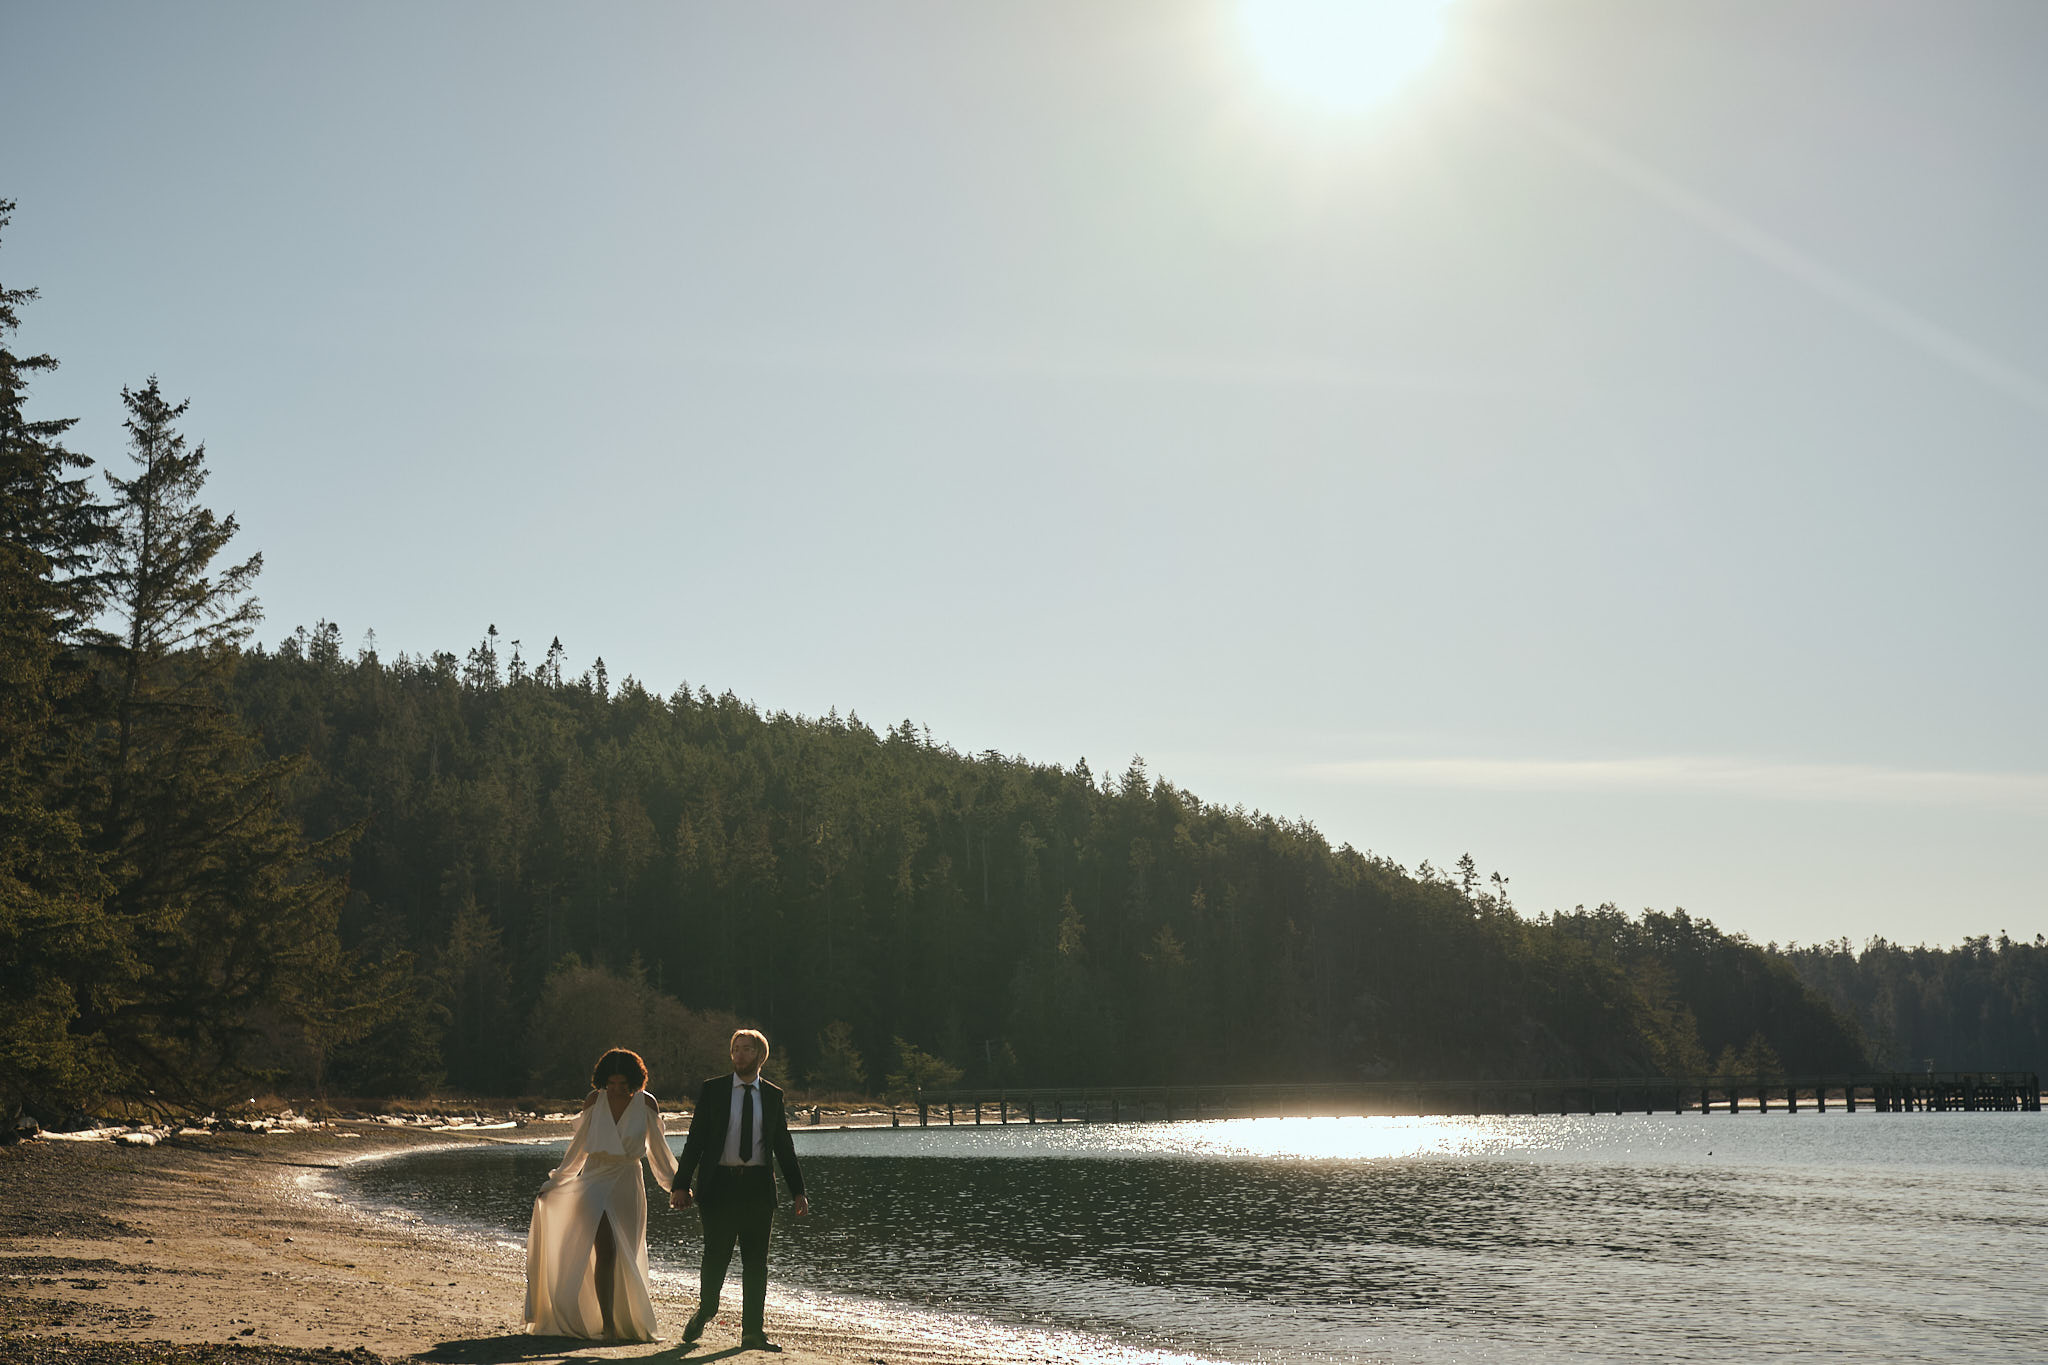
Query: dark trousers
(743, 1213)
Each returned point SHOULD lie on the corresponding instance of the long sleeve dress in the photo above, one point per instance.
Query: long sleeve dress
(599, 1175)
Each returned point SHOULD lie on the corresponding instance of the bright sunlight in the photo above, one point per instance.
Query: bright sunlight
(1347, 55)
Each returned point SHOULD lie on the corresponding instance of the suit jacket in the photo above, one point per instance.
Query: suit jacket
(706, 1142)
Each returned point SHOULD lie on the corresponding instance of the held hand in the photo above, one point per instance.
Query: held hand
(680, 1198)
(802, 1206)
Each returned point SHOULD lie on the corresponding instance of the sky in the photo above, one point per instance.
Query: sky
(1614, 448)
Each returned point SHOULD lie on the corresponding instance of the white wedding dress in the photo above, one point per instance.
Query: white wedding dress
(599, 1175)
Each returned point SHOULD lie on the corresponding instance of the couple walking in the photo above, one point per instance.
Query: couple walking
(586, 1252)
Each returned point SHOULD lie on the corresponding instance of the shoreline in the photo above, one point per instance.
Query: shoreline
(224, 1240)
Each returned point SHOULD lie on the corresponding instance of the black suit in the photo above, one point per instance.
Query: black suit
(736, 1203)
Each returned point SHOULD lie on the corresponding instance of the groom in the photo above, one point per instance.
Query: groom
(737, 1123)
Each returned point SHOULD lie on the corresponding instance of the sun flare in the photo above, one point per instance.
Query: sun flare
(1347, 55)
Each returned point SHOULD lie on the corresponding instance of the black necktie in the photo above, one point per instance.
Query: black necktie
(747, 1125)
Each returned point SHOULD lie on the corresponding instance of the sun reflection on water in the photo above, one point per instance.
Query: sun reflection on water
(1337, 1139)
(1330, 1139)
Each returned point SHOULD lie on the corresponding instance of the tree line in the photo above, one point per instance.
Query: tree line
(1982, 1005)
(316, 868)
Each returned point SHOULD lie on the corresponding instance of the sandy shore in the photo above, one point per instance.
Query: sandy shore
(221, 1241)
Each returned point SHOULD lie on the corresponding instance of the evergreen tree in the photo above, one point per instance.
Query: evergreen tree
(471, 965)
(839, 1069)
(918, 1070)
(213, 884)
(54, 933)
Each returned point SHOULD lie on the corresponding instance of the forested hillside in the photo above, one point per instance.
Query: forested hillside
(1023, 922)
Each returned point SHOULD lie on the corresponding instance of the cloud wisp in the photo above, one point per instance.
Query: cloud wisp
(1681, 775)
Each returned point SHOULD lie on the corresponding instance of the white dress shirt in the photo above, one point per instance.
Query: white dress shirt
(741, 1092)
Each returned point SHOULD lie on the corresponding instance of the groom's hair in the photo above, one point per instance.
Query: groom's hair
(756, 1037)
(619, 1062)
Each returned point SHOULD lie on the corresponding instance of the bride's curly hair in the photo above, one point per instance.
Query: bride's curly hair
(619, 1062)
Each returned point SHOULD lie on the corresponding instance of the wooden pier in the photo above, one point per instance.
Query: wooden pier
(1891, 1092)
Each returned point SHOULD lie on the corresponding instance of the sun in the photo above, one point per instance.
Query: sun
(1347, 55)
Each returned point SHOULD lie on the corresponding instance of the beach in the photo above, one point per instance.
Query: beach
(221, 1241)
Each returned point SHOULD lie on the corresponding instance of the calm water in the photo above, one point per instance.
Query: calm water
(1869, 1236)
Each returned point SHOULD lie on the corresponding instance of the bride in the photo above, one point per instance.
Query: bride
(586, 1251)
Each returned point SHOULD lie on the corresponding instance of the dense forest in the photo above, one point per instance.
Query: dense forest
(1982, 1005)
(1018, 921)
(313, 868)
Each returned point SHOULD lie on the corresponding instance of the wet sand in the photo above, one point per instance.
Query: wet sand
(220, 1241)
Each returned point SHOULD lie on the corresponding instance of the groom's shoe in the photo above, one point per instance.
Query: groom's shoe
(694, 1328)
(755, 1341)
